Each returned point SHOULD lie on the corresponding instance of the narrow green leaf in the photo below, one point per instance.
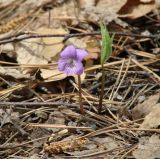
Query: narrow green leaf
(106, 49)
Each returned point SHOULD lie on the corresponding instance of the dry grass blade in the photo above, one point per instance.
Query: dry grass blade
(146, 69)
(58, 126)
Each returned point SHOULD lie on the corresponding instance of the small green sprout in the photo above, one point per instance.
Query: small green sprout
(106, 51)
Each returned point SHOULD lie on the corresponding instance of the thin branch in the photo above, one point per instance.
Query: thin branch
(31, 104)
(28, 35)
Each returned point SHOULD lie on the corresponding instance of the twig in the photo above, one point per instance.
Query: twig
(27, 35)
(80, 95)
(30, 104)
(58, 126)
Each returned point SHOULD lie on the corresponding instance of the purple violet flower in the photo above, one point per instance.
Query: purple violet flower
(70, 61)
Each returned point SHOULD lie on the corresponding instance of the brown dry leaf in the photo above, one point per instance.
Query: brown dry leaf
(142, 109)
(148, 148)
(16, 73)
(6, 3)
(84, 3)
(61, 14)
(152, 120)
(40, 51)
(105, 10)
(51, 49)
(30, 52)
(8, 116)
(88, 43)
(137, 8)
(52, 75)
(157, 3)
(93, 53)
(52, 45)
(80, 43)
(31, 4)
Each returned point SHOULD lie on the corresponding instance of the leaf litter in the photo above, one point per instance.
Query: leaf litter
(39, 108)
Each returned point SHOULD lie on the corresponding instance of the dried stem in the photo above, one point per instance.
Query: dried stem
(28, 35)
(102, 90)
(80, 95)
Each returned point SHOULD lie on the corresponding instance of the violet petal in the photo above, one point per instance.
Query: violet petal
(81, 54)
(77, 69)
(61, 64)
(68, 52)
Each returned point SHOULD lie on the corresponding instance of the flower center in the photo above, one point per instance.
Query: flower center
(71, 62)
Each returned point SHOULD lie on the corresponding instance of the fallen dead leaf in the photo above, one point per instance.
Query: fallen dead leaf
(79, 43)
(152, 120)
(84, 3)
(52, 45)
(40, 51)
(16, 73)
(64, 14)
(142, 109)
(52, 75)
(105, 10)
(148, 148)
(137, 8)
(30, 52)
(8, 116)
(93, 53)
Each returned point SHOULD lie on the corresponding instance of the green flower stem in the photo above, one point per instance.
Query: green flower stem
(102, 89)
(80, 95)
